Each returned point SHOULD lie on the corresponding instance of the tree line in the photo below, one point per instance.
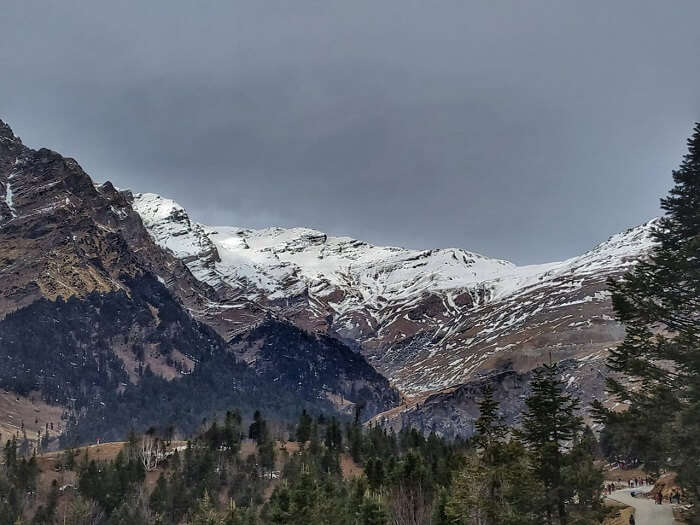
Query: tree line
(333, 471)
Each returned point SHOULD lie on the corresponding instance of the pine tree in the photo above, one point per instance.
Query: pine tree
(232, 432)
(314, 440)
(303, 432)
(354, 438)
(489, 426)
(206, 513)
(584, 479)
(496, 485)
(440, 516)
(258, 428)
(371, 512)
(374, 470)
(334, 436)
(659, 303)
(549, 423)
(502, 492)
(266, 452)
(160, 497)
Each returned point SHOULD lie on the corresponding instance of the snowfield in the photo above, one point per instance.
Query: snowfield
(284, 262)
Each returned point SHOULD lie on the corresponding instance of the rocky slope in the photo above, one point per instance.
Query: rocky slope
(428, 319)
(99, 319)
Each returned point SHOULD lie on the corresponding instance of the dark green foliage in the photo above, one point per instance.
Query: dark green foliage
(549, 423)
(160, 500)
(583, 479)
(408, 478)
(303, 431)
(374, 470)
(18, 481)
(405, 474)
(258, 428)
(496, 488)
(109, 484)
(334, 436)
(489, 426)
(266, 454)
(371, 513)
(497, 484)
(659, 303)
(547, 475)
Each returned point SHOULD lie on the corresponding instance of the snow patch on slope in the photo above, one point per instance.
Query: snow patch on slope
(284, 262)
(9, 196)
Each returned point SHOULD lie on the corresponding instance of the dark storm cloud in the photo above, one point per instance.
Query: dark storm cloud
(525, 130)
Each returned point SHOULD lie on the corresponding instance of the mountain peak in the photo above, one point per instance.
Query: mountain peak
(6, 132)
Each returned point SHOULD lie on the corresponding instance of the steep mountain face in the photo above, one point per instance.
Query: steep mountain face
(560, 309)
(98, 318)
(429, 319)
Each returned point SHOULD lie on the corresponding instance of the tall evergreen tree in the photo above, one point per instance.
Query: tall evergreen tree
(550, 422)
(304, 427)
(495, 486)
(659, 303)
(489, 425)
(258, 428)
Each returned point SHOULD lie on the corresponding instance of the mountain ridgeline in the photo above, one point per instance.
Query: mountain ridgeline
(116, 306)
(97, 318)
(435, 322)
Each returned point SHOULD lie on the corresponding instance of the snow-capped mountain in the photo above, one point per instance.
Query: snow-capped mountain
(427, 319)
(114, 331)
(105, 284)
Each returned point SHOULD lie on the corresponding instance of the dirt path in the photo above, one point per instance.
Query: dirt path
(646, 511)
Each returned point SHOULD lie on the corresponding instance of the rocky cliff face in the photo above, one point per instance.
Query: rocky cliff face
(100, 319)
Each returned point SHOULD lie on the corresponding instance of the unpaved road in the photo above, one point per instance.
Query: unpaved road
(646, 511)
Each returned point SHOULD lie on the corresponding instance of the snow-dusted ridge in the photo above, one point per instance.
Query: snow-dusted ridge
(284, 262)
(425, 318)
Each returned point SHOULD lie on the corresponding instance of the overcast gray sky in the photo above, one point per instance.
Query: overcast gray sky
(527, 130)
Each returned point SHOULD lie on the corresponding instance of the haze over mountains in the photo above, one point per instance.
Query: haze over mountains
(123, 283)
